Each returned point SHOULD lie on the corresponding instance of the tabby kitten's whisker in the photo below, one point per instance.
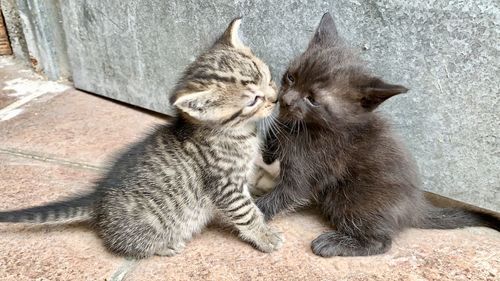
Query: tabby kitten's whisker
(168, 187)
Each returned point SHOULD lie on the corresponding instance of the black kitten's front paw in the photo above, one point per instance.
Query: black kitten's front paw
(264, 207)
(336, 244)
(326, 245)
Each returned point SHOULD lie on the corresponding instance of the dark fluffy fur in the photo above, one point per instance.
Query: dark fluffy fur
(337, 152)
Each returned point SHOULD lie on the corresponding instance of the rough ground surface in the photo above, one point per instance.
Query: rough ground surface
(58, 143)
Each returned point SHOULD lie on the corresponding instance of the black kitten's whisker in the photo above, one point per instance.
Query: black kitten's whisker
(343, 156)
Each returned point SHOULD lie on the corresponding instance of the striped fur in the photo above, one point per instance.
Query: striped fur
(166, 188)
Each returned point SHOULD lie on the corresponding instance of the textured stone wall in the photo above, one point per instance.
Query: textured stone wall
(37, 36)
(14, 26)
(446, 52)
(45, 38)
(4, 39)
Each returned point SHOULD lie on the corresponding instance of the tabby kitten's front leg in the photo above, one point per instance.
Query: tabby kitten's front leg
(237, 206)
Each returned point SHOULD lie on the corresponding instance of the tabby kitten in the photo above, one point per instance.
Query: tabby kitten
(166, 188)
(337, 152)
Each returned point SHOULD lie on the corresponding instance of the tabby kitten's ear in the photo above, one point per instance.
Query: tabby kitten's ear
(326, 34)
(197, 105)
(231, 37)
(377, 91)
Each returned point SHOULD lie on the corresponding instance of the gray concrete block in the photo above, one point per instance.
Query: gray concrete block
(37, 36)
(15, 30)
(446, 52)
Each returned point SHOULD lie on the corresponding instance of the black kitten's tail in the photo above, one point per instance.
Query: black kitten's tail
(73, 209)
(450, 218)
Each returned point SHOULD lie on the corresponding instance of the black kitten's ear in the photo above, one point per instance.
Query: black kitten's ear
(377, 91)
(230, 36)
(326, 33)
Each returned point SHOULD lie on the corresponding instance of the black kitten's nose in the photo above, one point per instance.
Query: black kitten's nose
(284, 101)
(289, 98)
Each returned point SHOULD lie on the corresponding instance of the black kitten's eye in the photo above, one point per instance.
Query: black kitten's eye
(290, 78)
(311, 101)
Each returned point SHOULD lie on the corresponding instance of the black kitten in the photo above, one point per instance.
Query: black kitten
(336, 152)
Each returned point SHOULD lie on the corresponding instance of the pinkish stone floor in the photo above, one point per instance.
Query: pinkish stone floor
(54, 140)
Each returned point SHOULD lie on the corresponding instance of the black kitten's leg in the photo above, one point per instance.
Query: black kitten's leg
(284, 196)
(270, 149)
(335, 243)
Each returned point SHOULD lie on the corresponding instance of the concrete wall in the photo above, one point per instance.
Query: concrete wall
(37, 36)
(445, 51)
(15, 30)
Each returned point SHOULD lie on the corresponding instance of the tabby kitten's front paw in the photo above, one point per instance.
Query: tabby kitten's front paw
(268, 240)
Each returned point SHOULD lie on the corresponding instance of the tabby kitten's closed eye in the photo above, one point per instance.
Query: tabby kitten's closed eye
(166, 188)
(337, 152)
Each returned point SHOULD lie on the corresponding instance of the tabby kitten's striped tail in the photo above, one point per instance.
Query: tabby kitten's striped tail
(73, 209)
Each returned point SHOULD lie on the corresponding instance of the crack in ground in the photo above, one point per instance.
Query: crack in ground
(45, 158)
